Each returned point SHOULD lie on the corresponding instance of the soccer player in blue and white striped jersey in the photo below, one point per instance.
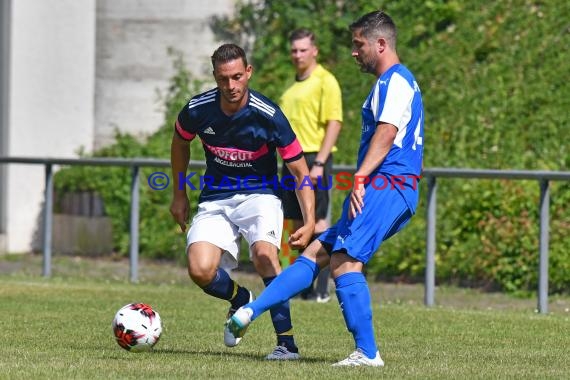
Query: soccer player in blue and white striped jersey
(391, 147)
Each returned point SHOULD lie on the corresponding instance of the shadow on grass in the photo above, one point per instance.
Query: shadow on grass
(236, 354)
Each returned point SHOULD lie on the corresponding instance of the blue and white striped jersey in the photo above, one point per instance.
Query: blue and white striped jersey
(396, 99)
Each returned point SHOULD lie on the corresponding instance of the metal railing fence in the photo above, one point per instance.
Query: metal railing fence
(429, 174)
(543, 178)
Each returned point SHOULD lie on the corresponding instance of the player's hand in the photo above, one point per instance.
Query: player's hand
(356, 199)
(180, 210)
(302, 237)
(315, 173)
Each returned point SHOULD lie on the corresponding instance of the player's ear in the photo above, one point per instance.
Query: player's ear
(249, 71)
(381, 44)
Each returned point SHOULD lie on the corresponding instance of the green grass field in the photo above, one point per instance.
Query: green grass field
(61, 328)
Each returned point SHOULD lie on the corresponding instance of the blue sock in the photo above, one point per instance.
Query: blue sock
(281, 319)
(223, 287)
(354, 298)
(289, 283)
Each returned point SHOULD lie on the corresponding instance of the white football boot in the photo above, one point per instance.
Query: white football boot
(231, 340)
(357, 358)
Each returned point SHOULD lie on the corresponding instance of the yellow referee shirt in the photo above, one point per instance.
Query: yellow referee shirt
(309, 104)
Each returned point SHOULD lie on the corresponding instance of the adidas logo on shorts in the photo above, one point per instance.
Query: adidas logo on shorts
(209, 131)
(272, 234)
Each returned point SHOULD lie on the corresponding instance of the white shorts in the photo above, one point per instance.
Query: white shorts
(256, 217)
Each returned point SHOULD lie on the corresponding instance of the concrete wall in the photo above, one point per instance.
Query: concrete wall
(77, 70)
(5, 22)
(52, 75)
(133, 38)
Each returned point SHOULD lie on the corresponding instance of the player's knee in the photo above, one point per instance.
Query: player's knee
(266, 263)
(323, 259)
(341, 263)
(264, 258)
(314, 250)
(201, 276)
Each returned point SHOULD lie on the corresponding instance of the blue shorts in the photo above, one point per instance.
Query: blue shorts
(384, 213)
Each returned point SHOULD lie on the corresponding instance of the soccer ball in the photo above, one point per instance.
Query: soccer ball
(137, 327)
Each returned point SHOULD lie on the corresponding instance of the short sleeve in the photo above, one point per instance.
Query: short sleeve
(183, 125)
(285, 139)
(399, 95)
(331, 100)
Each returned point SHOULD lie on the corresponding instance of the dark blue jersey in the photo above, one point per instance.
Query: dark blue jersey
(240, 149)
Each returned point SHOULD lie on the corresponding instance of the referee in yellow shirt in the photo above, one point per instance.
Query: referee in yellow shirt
(313, 105)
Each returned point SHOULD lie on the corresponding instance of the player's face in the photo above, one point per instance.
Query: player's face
(303, 53)
(232, 78)
(364, 52)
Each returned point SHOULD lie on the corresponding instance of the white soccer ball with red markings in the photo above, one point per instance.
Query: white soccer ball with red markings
(137, 327)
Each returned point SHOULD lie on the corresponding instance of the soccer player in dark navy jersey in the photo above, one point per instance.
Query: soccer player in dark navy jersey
(240, 148)
(391, 149)
(241, 132)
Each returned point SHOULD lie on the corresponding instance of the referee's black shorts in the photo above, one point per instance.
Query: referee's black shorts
(291, 208)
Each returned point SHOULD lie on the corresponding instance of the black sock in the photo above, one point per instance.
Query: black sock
(241, 297)
(287, 341)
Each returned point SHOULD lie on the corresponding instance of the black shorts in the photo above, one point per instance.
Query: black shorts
(291, 208)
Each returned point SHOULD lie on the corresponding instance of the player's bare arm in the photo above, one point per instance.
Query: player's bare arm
(331, 135)
(380, 145)
(306, 196)
(179, 158)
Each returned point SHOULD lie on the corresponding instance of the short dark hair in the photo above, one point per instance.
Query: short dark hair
(376, 24)
(226, 53)
(301, 33)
